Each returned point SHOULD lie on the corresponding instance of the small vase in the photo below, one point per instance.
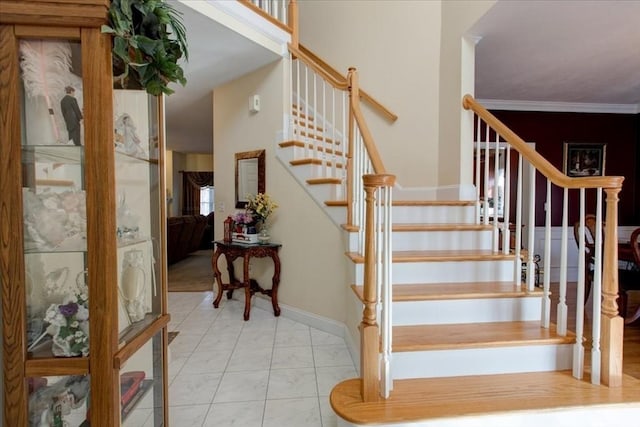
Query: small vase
(263, 236)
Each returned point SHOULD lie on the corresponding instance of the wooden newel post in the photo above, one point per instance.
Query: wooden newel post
(294, 23)
(612, 323)
(369, 328)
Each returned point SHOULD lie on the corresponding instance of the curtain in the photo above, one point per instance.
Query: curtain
(191, 184)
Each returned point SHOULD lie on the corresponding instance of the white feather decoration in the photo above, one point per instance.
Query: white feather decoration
(45, 69)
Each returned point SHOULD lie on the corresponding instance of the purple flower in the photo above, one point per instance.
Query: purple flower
(68, 310)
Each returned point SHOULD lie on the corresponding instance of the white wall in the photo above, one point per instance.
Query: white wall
(313, 277)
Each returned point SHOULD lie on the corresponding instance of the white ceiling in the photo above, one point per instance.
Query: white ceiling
(217, 55)
(545, 51)
(560, 51)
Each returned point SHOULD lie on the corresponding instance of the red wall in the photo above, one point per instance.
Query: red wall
(621, 133)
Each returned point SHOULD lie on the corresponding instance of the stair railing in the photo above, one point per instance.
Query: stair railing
(607, 327)
(283, 13)
(326, 116)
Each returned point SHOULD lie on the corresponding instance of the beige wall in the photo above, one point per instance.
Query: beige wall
(313, 276)
(395, 46)
(176, 162)
(457, 17)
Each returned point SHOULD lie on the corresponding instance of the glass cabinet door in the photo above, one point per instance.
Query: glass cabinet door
(73, 373)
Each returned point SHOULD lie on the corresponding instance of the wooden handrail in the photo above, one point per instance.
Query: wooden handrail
(354, 100)
(539, 162)
(338, 83)
(377, 106)
(266, 16)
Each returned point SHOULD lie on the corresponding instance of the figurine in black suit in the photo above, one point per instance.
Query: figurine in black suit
(72, 114)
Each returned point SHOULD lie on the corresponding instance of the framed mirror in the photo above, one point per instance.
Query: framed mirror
(249, 176)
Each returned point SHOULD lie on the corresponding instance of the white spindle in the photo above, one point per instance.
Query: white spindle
(578, 349)
(307, 149)
(387, 337)
(478, 166)
(596, 293)
(506, 240)
(496, 195)
(546, 301)
(518, 262)
(485, 196)
(531, 228)
(562, 292)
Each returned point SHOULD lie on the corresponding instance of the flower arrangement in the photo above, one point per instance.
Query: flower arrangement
(69, 326)
(261, 206)
(243, 218)
(68, 321)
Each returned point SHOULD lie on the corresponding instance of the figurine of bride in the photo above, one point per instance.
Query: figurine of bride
(126, 137)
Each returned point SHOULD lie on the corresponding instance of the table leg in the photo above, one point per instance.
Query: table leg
(247, 286)
(218, 276)
(275, 281)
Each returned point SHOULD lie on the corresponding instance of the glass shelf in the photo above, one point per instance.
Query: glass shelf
(66, 154)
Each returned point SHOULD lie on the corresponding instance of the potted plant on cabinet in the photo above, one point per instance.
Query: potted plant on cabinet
(149, 39)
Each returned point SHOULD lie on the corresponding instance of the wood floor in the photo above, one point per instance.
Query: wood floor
(451, 397)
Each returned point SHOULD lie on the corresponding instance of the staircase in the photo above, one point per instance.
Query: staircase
(461, 314)
(450, 334)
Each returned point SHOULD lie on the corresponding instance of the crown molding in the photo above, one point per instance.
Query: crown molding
(565, 107)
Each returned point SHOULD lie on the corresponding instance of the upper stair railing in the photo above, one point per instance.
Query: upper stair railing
(327, 119)
(493, 145)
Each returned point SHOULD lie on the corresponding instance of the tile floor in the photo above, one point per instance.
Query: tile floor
(266, 372)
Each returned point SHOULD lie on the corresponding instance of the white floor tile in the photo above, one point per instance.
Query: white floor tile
(250, 359)
(292, 357)
(207, 362)
(191, 389)
(303, 412)
(291, 383)
(188, 416)
(242, 386)
(235, 414)
(332, 355)
(328, 377)
(265, 372)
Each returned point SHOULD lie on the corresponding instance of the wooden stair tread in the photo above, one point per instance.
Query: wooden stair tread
(295, 143)
(433, 203)
(475, 335)
(439, 255)
(341, 203)
(432, 398)
(316, 136)
(300, 162)
(316, 181)
(303, 116)
(450, 291)
(440, 227)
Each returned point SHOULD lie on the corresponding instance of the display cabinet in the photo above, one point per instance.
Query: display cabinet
(82, 247)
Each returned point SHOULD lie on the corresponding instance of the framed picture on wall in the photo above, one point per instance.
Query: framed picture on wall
(584, 159)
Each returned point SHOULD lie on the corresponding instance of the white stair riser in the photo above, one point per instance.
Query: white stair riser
(481, 361)
(441, 240)
(448, 272)
(318, 171)
(466, 311)
(434, 214)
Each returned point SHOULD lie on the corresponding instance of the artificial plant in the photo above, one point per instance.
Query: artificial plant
(148, 40)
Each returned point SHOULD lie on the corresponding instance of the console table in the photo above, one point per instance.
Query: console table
(232, 251)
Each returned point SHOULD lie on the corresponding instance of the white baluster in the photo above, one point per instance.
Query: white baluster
(478, 166)
(531, 228)
(506, 240)
(518, 262)
(596, 293)
(562, 292)
(546, 301)
(485, 198)
(496, 169)
(578, 349)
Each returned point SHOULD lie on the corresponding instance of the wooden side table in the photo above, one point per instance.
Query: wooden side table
(231, 251)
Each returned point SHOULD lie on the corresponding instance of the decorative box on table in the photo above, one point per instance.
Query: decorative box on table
(244, 238)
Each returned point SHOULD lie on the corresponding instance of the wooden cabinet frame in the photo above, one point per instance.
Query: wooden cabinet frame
(79, 20)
